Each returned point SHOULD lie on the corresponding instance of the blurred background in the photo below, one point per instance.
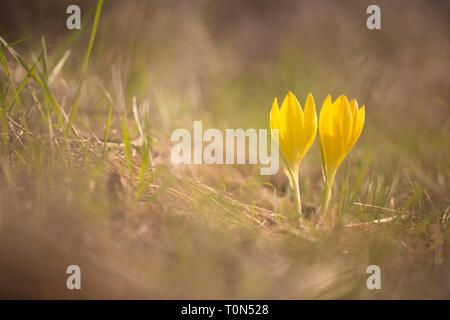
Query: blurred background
(214, 53)
(223, 62)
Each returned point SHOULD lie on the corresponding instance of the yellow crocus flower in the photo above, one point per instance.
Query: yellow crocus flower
(340, 125)
(297, 130)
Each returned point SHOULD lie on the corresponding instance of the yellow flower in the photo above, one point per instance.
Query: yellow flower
(297, 130)
(340, 125)
(297, 127)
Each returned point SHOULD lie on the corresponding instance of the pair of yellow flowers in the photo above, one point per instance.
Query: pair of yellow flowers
(340, 125)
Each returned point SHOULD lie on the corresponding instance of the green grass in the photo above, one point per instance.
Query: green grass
(141, 227)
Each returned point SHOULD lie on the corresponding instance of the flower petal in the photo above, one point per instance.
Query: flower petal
(310, 118)
(275, 115)
(354, 108)
(359, 126)
(323, 117)
(291, 122)
(342, 118)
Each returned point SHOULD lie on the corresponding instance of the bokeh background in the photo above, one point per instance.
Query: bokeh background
(223, 62)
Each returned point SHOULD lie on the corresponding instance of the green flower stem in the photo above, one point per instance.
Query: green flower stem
(296, 189)
(326, 196)
(327, 191)
(293, 177)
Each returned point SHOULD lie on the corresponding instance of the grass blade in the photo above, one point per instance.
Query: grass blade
(74, 110)
(108, 126)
